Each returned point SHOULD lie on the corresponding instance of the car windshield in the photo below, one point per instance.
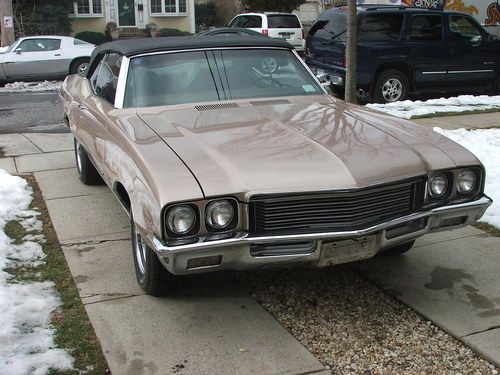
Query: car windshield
(213, 75)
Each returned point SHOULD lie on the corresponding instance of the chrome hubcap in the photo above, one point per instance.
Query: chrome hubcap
(392, 90)
(79, 156)
(140, 249)
(82, 67)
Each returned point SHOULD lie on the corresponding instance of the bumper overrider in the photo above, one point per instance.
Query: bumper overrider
(243, 251)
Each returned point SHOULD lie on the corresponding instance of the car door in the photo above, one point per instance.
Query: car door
(426, 51)
(472, 56)
(93, 109)
(34, 58)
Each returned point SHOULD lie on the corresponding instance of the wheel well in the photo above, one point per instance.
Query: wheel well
(402, 66)
(122, 195)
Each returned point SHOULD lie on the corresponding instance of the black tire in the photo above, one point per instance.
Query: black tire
(86, 170)
(397, 250)
(77, 64)
(390, 86)
(152, 277)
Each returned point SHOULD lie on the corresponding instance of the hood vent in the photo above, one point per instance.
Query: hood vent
(211, 107)
(270, 102)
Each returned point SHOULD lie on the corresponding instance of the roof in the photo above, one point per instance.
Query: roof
(133, 47)
(385, 7)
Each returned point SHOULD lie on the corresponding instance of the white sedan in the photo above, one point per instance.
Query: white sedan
(44, 57)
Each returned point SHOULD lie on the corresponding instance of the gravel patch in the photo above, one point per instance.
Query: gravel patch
(353, 327)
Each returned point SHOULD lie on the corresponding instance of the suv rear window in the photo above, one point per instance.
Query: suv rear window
(330, 25)
(249, 22)
(426, 27)
(380, 27)
(283, 21)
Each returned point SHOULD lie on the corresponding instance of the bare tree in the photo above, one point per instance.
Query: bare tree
(350, 52)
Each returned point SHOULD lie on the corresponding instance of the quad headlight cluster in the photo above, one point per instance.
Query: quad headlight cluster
(184, 219)
(443, 184)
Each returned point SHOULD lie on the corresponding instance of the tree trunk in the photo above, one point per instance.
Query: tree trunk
(350, 53)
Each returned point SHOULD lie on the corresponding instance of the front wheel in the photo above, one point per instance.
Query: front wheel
(390, 86)
(152, 277)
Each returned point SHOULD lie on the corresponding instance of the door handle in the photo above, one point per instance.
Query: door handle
(82, 107)
(57, 54)
(453, 51)
(416, 50)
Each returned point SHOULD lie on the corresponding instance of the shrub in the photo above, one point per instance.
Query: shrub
(92, 37)
(172, 32)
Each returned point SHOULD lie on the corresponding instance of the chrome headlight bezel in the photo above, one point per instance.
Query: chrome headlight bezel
(461, 175)
(434, 179)
(223, 204)
(169, 220)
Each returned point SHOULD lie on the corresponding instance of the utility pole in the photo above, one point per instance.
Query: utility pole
(350, 52)
(6, 23)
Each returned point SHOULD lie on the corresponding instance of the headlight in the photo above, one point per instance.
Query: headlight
(466, 181)
(219, 214)
(438, 183)
(181, 219)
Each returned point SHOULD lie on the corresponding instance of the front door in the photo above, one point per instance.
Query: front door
(126, 12)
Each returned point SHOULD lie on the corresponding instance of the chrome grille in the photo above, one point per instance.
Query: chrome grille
(339, 210)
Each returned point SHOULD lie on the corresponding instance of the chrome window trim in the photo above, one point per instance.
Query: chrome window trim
(470, 71)
(124, 69)
(122, 83)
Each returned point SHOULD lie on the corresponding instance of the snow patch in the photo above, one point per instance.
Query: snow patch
(31, 86)
(463, 103)
(26, 335)
(485, 144)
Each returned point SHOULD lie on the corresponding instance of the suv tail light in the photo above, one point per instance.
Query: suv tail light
(265, 32)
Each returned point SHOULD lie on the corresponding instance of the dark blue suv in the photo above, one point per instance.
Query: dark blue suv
(403, 50)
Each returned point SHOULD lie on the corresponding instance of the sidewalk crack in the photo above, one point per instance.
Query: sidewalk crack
(484, 330)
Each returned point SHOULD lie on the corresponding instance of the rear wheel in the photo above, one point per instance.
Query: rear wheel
(397, 250)
(79, 65)
(390, 86)
(86, 170)
(152, 277)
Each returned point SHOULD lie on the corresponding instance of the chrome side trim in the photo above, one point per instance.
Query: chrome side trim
(470, 71)
(437, 72)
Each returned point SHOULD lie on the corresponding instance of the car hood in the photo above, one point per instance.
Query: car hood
(298, 144)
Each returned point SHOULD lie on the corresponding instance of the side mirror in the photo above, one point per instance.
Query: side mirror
(19, 50)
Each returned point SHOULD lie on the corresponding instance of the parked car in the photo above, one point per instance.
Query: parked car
(221, 163)
(275, 25)
(44, 57)
(229, 31)
(403, 50)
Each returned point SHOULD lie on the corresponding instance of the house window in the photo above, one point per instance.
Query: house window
(167, 7)
(87, 8)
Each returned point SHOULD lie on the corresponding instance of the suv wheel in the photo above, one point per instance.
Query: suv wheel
(390, 86)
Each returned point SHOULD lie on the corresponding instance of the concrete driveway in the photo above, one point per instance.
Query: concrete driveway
(211, 325)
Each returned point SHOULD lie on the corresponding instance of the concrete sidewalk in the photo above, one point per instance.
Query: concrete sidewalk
(211, 326)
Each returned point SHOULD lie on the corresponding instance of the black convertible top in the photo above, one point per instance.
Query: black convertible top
(133, 47)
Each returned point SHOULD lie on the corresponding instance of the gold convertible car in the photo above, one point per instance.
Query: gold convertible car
(227, 152)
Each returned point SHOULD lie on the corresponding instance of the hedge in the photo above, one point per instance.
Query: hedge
(172, 32)
(92, 37)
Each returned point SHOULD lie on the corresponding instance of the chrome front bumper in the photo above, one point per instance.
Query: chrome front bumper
(342, 246)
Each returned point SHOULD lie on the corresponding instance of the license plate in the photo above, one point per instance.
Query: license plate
(344, 251)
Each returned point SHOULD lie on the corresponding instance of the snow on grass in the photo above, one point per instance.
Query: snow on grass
(485, 144)
(463, 103)
(31, 86)
(26, 335)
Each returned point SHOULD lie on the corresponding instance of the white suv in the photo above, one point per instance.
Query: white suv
(274, 25)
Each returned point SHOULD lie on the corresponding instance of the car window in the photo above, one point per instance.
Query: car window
(251, 22)
(78, 42)
(426, 27)
(333, 26)
(40, 45)
(105, 78)
(189, 77)
(380, 27)
(463, 29)
(281, 21)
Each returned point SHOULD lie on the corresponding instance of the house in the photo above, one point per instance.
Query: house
(94, 15)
